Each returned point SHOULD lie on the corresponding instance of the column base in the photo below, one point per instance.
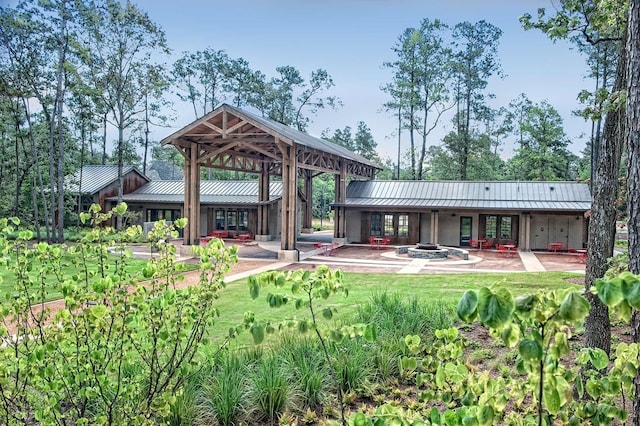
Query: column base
(263, 238)
(307, 231)
(289, 255)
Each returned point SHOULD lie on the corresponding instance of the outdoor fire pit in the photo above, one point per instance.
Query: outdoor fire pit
(428, 251)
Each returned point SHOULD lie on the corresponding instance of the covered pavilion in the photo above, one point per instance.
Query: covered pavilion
(230, 138)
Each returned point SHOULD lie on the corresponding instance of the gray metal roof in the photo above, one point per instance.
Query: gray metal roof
(211, 192)
(95, 177)
(495, 195)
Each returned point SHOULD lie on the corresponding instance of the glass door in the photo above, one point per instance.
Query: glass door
(465, 230)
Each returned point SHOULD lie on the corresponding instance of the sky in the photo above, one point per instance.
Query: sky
(351, 39)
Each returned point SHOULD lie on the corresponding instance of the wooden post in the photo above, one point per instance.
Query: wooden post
(340, 191)
(187, 197)
(263, 197)
(194, 196)
(307, 214)
(434, 227)
(289, 198)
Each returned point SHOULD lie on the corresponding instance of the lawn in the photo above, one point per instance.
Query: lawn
(7, 279)
(445, 288)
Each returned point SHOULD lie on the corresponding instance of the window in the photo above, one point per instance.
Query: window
(232, 220)
(219, 219)
(505, 227)
(388, 225)
(243, 220)
(160, 214)
(502, 228)
(403, 225)
(376, 224)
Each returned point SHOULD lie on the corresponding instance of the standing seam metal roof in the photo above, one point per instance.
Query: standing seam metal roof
(506, 195)
(96, 177)
(211, 192)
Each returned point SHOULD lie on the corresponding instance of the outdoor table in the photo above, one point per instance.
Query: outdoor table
(480, 242)
(554, 247)
(378, 240)
(509, 247)
(582, 255)
(219, 233)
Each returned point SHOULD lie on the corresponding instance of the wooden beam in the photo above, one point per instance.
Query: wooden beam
(220, 150)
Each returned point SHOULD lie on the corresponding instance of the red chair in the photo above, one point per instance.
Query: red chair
(473, 243)
(502, 250)
(385, 242)
(373, 244)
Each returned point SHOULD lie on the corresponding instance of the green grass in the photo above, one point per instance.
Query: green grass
(7, 278)
(445, 289)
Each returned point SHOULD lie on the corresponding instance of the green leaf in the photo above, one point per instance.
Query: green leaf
(598, 358)
(254, 287)
(257, 332)
(485, 415)
(631, 289)
(327, 313)
(574, 307)
(524, 304)
(551, 399)
(495, 309)
(530, 350)
(467, 306)
(370, 333)
(610, 292)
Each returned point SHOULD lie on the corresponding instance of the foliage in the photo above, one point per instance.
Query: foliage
(306, 289)
(551, 385)
(120, 347)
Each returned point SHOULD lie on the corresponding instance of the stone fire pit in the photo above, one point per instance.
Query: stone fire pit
(427, 251)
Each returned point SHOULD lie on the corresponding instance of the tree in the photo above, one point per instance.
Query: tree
(596, 22)
(543, 153)
(120, 44)
(199, 79)
(364, 144)
(404, 88)
(475, 60)
(288, 96)
(632, 136)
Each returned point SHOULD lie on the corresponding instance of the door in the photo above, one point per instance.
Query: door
(540, 230)
(465, 230)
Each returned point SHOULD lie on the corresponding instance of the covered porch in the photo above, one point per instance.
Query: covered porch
(229, 138)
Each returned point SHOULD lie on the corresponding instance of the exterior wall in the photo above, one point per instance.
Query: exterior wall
(354, 229)
(425, 227)
(539, 229)
(566, 229)
(130, 182)
(275, 222)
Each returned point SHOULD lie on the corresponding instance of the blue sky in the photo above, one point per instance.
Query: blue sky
(352, 38)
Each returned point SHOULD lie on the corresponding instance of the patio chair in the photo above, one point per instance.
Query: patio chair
(502, 250)
(373, 244)
(473, 243)
(490, 243)
(385, 242)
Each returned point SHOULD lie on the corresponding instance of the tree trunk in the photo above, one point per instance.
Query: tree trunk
(633, 169)
(602, 224)
(59, 110)
(38, 172)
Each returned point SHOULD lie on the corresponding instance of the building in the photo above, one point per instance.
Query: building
(529, 214)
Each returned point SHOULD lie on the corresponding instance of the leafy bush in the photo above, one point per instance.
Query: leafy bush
(119, 349)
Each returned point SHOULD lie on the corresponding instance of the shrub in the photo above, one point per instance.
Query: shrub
(119, 349)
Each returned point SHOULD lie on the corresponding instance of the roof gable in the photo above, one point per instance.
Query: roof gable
(92, 178)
